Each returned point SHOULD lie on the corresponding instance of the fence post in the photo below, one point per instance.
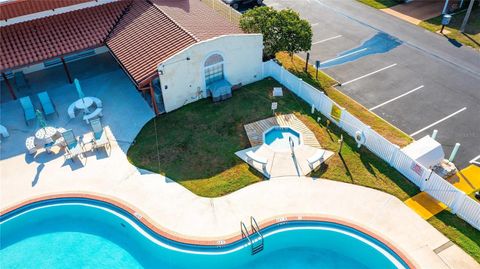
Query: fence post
(458, 202)
(394, 155)
(300, 88)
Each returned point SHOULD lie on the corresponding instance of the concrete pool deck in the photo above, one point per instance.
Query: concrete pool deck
(182, 215)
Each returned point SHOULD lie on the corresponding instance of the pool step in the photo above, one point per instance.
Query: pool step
(257, 249)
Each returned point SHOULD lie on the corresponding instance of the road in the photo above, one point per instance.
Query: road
(415, 79)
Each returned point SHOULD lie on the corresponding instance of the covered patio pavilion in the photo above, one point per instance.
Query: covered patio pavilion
(124, 110)
(139, 34)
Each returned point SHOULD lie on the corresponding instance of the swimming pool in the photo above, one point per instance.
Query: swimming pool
(279, 137)
(80, 232)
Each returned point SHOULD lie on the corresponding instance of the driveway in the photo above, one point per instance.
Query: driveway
(414, 79)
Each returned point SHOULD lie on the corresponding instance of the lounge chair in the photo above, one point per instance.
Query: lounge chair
(28, 109)
(48, 106)
(20, 80)
(74, 147)
(100, 138)
(316, 157)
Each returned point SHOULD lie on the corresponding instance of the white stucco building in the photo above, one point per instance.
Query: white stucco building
(185, 77)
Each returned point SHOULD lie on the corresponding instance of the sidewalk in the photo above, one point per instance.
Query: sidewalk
(416, 11)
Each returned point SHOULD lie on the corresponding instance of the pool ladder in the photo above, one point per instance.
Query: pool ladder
(256, 243)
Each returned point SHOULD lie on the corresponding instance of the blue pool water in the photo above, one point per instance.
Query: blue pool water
(278, 137)
(81, 233)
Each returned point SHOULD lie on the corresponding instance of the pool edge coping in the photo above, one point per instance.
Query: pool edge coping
(218, 241)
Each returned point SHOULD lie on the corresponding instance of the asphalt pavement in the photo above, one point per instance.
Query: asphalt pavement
(417, 80)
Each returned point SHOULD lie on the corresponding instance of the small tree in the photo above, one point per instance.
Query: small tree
(282, 30)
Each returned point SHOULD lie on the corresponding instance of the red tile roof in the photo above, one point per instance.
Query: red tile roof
(141, 35)
(12, 9)
(197, 18)
(45, 38)
(145, 37)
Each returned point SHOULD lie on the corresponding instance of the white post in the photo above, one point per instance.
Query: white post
(454, 152)
(313, 108)
(445, 7)
(434, 134)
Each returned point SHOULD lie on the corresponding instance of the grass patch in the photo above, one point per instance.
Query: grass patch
(472, 31)
(379, 4)
(459, 231)
(197, 144)
(325, 83)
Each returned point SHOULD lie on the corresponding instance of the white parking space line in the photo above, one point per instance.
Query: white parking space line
(439, 121)
(398, 97)
(326, 39)
(348, 54)
(369, 74)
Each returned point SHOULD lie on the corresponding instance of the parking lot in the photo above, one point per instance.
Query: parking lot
(414, 89)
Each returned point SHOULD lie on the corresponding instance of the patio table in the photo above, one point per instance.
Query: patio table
(84, 103)
(45, 135)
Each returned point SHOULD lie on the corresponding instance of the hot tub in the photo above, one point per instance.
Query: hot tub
(280, 137)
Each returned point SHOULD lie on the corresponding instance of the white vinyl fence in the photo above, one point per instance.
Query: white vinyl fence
(424, 178)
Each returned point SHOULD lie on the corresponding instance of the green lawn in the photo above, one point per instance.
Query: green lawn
(472, 31)
(196, 145)
(379, 4)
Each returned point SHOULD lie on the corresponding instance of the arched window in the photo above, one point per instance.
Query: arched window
(213, 68)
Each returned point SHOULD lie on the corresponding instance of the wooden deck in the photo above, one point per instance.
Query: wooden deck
(256, 129)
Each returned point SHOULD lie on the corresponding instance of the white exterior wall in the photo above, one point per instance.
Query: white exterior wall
(181, 79)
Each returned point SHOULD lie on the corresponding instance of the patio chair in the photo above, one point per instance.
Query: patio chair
(74, 147)
(100, 138)
(20, 80)
(30, 145)
(28, 109)
(48, 106)
(95, 114)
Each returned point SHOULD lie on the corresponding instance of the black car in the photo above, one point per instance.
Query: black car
(236, 3)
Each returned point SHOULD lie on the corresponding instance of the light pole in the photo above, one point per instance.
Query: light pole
(465, 20)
